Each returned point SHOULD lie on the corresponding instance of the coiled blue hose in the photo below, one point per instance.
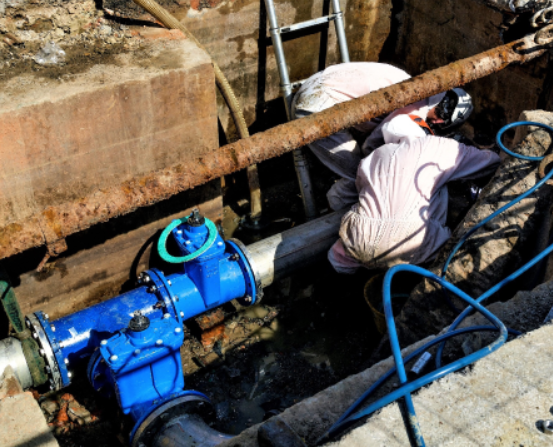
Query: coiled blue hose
(408, 387)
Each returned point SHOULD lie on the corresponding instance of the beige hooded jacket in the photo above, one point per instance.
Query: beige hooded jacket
(401, 213)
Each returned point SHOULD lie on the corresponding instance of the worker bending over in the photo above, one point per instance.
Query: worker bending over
(401, 211)
(394, 169)
(343, 151)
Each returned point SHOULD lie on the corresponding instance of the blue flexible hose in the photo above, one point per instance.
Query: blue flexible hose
(508, 205)
(408, 387)
(513, 202)
(349, 416)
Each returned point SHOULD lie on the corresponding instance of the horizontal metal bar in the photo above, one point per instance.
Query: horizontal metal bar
(307, 24)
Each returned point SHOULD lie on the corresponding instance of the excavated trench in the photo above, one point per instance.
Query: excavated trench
(313, 328)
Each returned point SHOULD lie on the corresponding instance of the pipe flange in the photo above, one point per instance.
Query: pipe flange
(163, 292)
(191, 402)
(46, 351)
(548, 159)
(256, 276)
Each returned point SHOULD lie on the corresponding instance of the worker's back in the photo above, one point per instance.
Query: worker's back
(402, 206)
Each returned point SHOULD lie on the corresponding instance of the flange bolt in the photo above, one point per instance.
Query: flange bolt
(139, 322)
(144, 278)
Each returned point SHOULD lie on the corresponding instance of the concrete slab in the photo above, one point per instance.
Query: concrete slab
(21, 421)
(62, 138)
(498, 402)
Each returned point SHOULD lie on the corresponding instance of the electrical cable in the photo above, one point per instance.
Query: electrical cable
(406, 388)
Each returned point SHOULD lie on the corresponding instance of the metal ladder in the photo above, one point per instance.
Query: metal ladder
(300, 161)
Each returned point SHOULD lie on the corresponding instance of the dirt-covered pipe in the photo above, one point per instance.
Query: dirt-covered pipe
(57, 222)
(170, 21)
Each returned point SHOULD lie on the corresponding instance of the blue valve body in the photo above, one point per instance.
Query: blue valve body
(145, 366)
(219, 275)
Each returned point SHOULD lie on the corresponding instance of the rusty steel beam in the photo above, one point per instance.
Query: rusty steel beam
(52, 225)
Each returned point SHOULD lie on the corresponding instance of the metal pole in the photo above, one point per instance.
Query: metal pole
(340, 31)
(57, 222)
(300, 161)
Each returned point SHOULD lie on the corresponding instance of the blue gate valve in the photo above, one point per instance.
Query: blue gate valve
(141, 362)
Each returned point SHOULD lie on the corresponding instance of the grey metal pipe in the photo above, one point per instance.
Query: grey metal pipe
(189, 430)
(340, 31)
(11, 354)
(283, 253)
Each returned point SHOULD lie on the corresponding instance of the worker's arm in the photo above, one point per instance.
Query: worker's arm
(459, 161)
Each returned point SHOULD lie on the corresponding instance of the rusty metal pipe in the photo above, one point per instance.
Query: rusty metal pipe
(57, 222)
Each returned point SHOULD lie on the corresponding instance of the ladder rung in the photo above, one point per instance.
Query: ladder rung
(307, 24)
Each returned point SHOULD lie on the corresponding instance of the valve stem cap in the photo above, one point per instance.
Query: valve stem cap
(139, 322)
(195, 219)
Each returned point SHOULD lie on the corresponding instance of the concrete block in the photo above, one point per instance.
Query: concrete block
(499, 402)
(63, 138)
(21, 421)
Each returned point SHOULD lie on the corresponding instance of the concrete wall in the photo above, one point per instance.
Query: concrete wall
(431, 34)
(230, 29)
(60, 141)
